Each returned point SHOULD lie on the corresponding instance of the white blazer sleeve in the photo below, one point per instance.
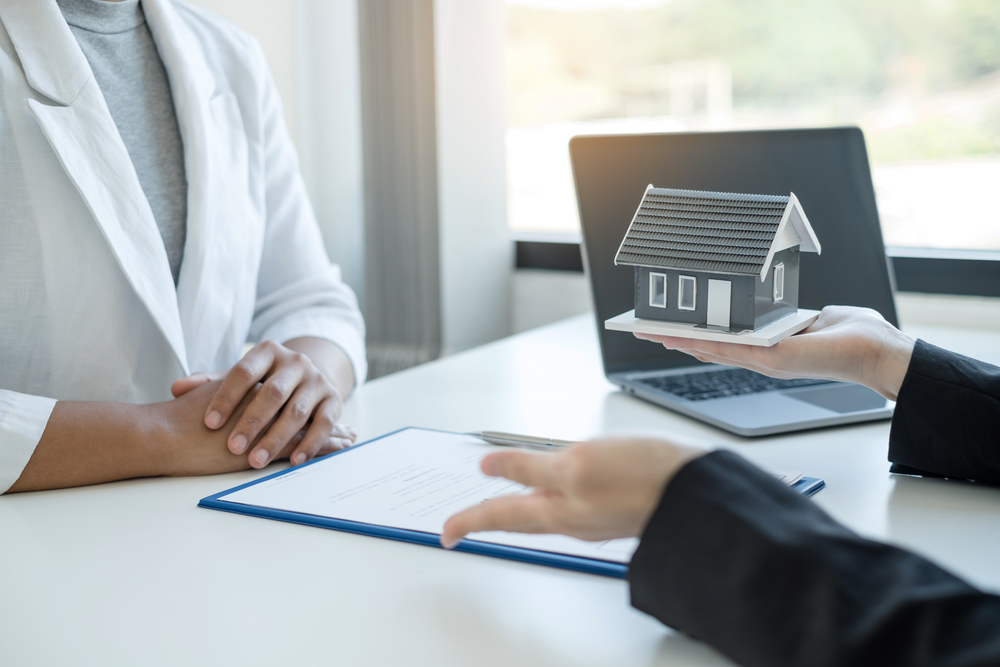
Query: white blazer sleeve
(22, 422)
(299, 292)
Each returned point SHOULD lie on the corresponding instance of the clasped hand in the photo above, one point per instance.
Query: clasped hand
(290, 402)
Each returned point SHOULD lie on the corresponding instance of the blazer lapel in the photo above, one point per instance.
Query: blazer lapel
(84, 136)
(219, 255)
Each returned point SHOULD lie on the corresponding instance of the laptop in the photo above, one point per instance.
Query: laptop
(828, 171)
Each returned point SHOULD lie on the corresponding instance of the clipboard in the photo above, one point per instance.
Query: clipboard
(607, 568)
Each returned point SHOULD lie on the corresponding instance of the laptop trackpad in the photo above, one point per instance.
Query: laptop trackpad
(840, 398)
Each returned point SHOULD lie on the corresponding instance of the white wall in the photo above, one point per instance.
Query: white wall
(476, 248)
(328, 114)
(541, 297)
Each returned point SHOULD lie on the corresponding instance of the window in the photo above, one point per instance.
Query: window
(921, 78)
(658, 290)
(779, 282)
(687, 292)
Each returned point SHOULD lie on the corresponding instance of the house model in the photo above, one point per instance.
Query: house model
(724, 262)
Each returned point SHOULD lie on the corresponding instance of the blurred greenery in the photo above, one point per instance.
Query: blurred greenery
(934, 138)
(793, 61)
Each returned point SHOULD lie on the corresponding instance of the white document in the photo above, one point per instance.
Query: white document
(414, 480)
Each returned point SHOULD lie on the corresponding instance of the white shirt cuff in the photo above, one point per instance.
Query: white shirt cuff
(22, 421)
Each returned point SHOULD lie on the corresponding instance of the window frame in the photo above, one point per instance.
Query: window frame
(777, 294)
(652, 275)
(680, 293)
(920, 270)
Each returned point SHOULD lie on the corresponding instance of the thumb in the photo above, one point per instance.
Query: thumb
(193, 381)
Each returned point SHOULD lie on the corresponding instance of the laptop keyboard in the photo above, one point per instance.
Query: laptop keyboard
(720, 384)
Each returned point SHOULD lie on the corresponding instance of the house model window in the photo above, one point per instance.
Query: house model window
(687, 292)
(779, 282)
(740, 248)
(658, 290)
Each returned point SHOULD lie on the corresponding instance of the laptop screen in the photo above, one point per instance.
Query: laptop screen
(827, 169)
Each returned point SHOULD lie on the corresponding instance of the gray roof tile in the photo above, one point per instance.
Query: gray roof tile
(721, 232)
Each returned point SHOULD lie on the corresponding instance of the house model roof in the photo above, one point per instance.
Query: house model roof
(720, 232)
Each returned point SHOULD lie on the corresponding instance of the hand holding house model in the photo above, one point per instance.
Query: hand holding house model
(716, 266)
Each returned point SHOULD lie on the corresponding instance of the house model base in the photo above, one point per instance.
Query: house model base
(766, 336)
(720, 261)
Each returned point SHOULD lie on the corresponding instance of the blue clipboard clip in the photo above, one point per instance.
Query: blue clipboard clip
(807, 486)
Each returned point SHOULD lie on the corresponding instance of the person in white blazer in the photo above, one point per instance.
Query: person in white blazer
(94, 333)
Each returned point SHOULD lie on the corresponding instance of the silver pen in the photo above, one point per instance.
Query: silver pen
(523, 441)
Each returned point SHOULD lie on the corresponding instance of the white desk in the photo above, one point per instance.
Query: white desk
(133, 573)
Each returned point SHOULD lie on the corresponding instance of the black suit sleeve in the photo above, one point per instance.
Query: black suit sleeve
(947, 419)
(738, 560)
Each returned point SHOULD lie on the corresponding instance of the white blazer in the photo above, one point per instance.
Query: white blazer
(88, 307)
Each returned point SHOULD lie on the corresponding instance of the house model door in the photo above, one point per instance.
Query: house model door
(719, 300)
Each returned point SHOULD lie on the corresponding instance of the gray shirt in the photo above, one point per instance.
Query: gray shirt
(117, 43)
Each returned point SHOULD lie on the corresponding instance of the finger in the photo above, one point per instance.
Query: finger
(732, 352)
(344, 433)
(669, 342)
(291, 418)
(514, 514)
(193, 381)
(324, 425)
(242, 377)
(334, 444)
(328, 446)
(535, 470)
(713, 348)
(284, 400)
(295, 441)
(292, 444)
(775, 361)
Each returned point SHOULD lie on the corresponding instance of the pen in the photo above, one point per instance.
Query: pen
(525, 441)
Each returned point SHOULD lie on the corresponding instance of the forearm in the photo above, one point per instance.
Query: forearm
(330, 359)
(90, 443)
(748, 566)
